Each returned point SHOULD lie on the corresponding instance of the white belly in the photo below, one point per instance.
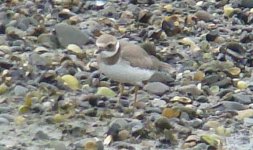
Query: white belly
(124, 73)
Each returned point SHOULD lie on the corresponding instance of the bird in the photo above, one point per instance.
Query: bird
(126, 62)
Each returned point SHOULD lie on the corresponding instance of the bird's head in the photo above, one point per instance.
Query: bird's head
(107, 45)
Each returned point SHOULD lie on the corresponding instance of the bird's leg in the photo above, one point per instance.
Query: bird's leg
(136, 89)
(121, 91)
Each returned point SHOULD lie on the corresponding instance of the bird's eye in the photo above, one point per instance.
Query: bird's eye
(110, 46)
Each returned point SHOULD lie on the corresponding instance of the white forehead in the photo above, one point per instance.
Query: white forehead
(101, 44)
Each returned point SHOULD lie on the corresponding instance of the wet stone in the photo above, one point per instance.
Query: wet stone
(67, 34)
(229, 105)
(156, 88)
(242, 98)
(20, 90)
(4, 121)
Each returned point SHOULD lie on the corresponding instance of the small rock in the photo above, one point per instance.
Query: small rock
(67, 34)
(161, 77)
(248, 122)
(163, 123)
(153, 110)
(20, 90)
(41, 135)
(158, 103)
(242, 85)
(228, 10)
(244, 114)
(4, 121)
(241, 98)
(6, 64)
(105, 91)
(223, 83)
(76, 50)
(233, 105)
(191, 88)
(156, 88)
(58, 146)
(13, 32)
(48, 40)
(71, 82)
(200, 146)
(123, 135)
(247, 3)
(211, 124)
(90, 144)
(203, 15)
(37, 60)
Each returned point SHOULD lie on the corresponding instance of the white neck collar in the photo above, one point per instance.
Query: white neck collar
(117, 46)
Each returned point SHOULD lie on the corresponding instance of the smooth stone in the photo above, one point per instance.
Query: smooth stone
(223, 83)
(123, 135)
(4, 121)
(156, 88)
(25, 22)
(119, 144)
(211, 79)
(37, 60)
(67, 34)
(233, 105)
(161, 77)
(7, 116)
(211, 124)
(203, 15)
(41, 135)
(184, 116)
(248, 121)
(15, 31)
(248, 113)
(58, 146)
(153, 110)
(201, 146)
(48, 40)
(202, 99)
(191, 88)
(241, 98)
(20, 90)
(5, 63)
(158, 103)
(110, 11)
(119, 122)
(5, 109)
(92, 143)
(247, 3)
(3, 40)
(137, 127)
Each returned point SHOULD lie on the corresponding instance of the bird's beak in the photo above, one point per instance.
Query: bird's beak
(99, 50)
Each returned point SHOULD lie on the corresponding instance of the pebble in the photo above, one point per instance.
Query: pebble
(4, 121)
(242, 98)
(203, 15)
(58, 146)
(41, 135)
(248, 122)
(67, 34)
(158, 103)
(229, 105)
(20, 90)
(191, 88)
(156, 88)
(247, 3)
(48, 40)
